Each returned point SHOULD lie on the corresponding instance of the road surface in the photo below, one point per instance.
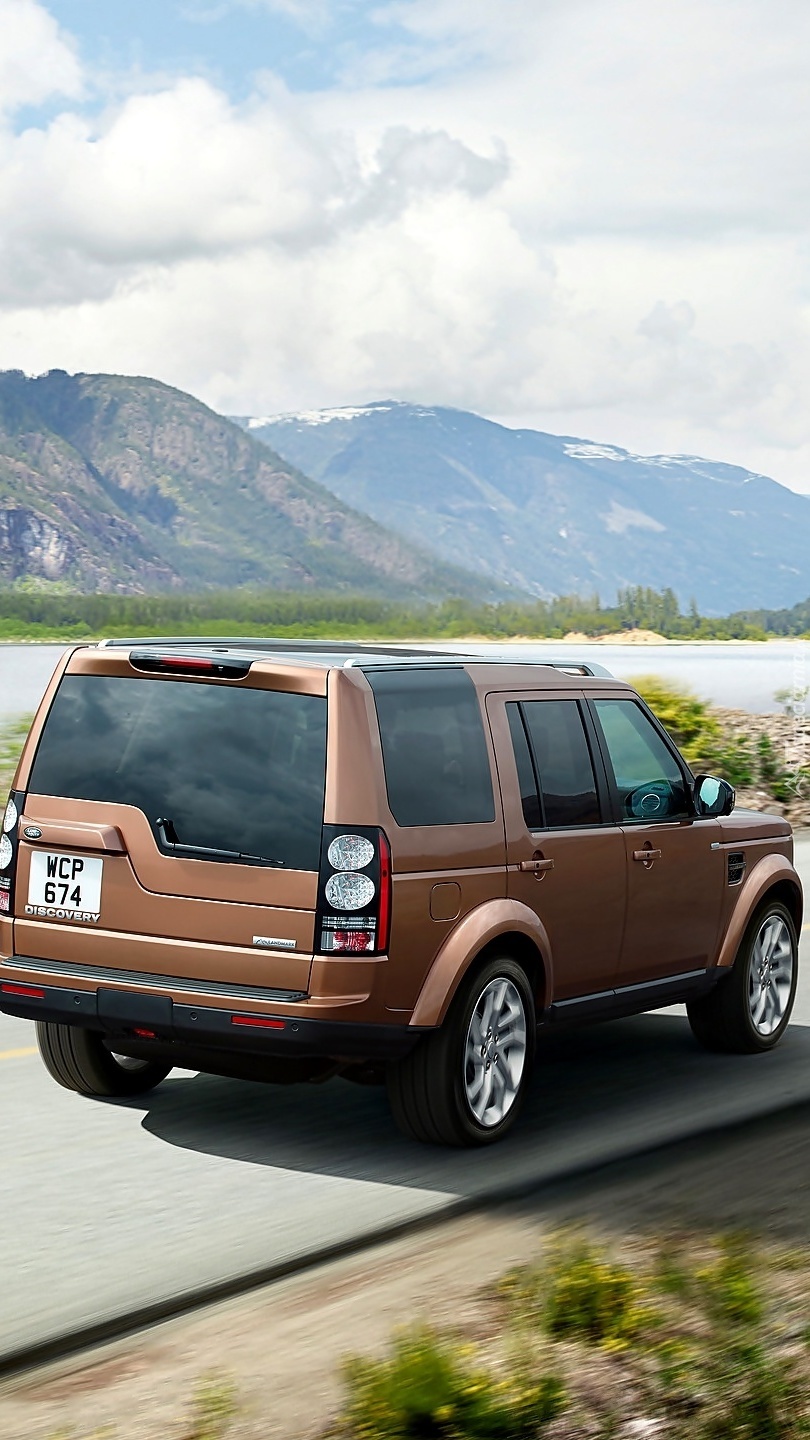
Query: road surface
(109, 1207)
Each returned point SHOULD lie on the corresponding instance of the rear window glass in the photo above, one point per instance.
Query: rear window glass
(232, 769)
(434, 752)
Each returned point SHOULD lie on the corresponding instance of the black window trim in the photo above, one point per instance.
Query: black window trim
(603, 792)
(688, 778)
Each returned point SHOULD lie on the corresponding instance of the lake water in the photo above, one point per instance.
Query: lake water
(745, 676)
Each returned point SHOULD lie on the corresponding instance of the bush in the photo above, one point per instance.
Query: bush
(427, 1387)
(581, 1294)
(687, 718)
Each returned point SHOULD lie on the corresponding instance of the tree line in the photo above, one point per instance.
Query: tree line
(33, 614)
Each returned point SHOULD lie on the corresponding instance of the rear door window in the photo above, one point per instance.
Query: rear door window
(437, 769)
(551, 743)
(231, 769)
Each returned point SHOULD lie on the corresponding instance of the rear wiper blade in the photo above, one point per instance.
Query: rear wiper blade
(170, 842)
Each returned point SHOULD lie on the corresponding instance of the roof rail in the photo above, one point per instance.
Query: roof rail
(356, 653)
(273, 646)
(581, 667)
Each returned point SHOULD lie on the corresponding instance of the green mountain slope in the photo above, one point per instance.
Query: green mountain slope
(110, 482)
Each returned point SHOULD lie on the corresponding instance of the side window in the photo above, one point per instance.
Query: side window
(527, 780)
(555, 771)
(437, 769)
(648, 778)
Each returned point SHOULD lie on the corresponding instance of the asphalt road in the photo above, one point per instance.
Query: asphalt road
(109, 1207)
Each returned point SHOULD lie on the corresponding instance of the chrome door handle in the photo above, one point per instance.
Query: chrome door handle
(536, 866)
(647, 856)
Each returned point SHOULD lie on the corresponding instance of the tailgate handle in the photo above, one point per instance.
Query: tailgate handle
(75, 835)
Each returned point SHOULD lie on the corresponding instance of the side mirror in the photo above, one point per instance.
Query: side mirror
(713, 796)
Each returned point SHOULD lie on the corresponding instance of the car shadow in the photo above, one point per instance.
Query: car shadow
(598, 1094)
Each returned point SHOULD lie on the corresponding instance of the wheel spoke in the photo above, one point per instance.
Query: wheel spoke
(495, 1052)
(770, 976)
(759, 1009)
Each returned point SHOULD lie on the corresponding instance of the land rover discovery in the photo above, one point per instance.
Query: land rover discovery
(287, 861)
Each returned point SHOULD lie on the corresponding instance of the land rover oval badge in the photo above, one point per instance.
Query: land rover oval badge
(32, 832)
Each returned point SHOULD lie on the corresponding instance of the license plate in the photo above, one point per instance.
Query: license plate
(64, 883)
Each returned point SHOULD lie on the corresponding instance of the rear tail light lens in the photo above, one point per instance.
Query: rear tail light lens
(350, 852)
(8, 851)
(354, 894)
(346, 890)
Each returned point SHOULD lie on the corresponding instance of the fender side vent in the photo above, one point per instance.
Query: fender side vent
(736, 867)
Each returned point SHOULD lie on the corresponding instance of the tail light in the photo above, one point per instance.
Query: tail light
(354, 892)
(9, 838)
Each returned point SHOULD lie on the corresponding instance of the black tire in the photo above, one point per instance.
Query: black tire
(429, 1089)
(724, 1020)
(79, 1060)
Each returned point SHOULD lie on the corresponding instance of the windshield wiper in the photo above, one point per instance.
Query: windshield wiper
(170, 842)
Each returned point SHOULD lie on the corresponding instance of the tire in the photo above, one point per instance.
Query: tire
(750, 1010)
(438, 1093)
(79, 1060)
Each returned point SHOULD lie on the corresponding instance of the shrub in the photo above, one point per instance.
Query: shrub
(213, 1409)
(427, 1387)
(581, 1294)
(728, 1288)
(590, 1297)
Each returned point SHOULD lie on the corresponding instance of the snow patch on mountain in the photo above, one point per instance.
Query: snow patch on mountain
(621, 518)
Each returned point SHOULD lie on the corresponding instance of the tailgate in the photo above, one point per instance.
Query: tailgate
(174, 828)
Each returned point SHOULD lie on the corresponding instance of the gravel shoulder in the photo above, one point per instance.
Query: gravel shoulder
(282, 1345)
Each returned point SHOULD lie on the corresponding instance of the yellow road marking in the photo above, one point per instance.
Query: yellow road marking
(18, 1054)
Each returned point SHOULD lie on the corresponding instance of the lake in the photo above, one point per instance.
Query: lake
(744, 676)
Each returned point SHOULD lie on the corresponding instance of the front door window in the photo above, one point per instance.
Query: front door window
(649, 782)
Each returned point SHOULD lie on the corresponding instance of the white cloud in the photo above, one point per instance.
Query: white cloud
(591, 217)
(37, 60)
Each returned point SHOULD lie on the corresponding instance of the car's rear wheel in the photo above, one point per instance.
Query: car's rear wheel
(464, 1084)
(79, 1060)
(749, 1011)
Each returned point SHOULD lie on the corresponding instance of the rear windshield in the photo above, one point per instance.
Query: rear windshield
(232, 769)
(434, 752)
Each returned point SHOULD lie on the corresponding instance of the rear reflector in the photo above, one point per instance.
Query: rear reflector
(144, 1034)
(32, 991)
(259, 1022)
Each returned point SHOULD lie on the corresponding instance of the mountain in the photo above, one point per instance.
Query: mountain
(553, 514)
(110, 482)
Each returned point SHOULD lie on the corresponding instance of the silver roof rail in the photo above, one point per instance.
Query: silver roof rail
(581, 667)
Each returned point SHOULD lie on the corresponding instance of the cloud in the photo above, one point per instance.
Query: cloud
(181, 173)
(582, 214)
(37, 60)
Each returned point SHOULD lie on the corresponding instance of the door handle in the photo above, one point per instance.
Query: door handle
(647, 856)
(537, 867)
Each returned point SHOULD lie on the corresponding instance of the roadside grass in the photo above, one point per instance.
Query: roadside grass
(12, 736)
(688, 1340)
(673, 1337)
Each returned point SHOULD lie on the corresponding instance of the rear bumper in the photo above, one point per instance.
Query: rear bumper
(144, 1018)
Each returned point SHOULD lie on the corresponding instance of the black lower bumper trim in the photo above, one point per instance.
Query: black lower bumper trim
(141, 1017)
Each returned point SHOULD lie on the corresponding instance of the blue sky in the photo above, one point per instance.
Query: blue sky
(309, 45)
(588, 216)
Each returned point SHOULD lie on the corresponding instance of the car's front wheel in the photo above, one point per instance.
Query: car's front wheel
(749, 1010)
(79, 1060)
(464, 1084)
